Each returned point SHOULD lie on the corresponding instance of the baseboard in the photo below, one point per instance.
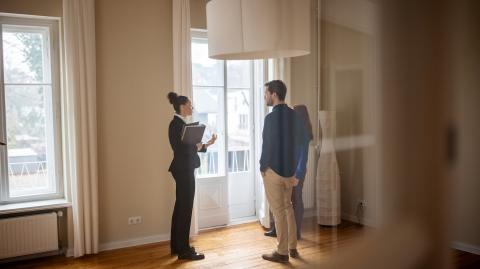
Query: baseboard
(466, 247)
(312, 212)
(135, 242)
(364, 221)
(128, 243)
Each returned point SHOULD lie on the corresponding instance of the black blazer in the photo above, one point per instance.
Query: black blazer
(185, 156)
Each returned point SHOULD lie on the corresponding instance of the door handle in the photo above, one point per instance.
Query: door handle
(3, 143)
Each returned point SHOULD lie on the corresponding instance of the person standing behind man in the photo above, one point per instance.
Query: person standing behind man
(284, 135)
(297, 193)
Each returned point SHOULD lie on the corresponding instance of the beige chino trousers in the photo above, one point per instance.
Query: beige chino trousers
(279, 194)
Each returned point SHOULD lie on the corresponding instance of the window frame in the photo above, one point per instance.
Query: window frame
(54, 26)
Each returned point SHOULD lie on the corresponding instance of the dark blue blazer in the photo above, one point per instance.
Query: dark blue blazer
(284, 136)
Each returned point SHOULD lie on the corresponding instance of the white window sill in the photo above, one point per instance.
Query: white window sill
(33, 206)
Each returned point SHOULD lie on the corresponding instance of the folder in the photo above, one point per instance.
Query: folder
(192, 133)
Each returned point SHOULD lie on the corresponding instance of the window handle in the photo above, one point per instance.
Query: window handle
(3, 143)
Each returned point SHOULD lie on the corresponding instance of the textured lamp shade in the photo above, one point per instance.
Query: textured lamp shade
(255, 29)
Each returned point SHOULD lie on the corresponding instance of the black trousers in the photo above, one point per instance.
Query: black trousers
(182, 213)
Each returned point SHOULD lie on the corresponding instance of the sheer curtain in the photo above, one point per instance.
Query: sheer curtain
(80, 125)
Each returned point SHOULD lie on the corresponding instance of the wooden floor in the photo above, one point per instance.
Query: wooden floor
(239, 246)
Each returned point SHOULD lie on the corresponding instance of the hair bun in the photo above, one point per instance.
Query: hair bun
(172, 97)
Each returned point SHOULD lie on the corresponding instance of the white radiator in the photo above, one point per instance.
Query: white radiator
(28, 235)
(309, 185)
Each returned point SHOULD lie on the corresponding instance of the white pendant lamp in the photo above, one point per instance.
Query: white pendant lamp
(258, 29)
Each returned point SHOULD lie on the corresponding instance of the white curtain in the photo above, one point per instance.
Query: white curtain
(80, 125)
(182, 65)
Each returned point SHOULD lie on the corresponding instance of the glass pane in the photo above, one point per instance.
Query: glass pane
(31, 164)
(26, 54)
(238, 74)
(239, 138)
(208, 103)
(205, 71)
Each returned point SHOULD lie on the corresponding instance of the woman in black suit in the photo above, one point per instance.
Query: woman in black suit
(185, 160)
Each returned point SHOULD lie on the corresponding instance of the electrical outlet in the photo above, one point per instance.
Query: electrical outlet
(362, 203)
(134, 220)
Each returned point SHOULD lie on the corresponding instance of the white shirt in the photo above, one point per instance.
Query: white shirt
(185, 119)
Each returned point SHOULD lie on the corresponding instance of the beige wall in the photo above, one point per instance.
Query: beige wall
(32, 7)
(466, 206)
(198, 14)
(466, 180)
(346, 81)
(303, 85)
(348, 88)
(134, 75)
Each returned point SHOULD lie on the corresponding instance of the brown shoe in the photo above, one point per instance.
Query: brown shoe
(294, 253)
(275, 257)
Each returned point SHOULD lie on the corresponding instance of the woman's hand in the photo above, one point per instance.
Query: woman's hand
(212, 140)
(199, 146)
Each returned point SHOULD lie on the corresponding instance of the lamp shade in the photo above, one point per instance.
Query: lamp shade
(256, 29)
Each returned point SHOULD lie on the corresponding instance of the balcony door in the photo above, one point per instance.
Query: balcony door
(223, 94)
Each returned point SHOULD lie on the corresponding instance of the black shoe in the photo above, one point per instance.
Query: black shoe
(271, 233)
(294, 253)
(275, 257)
(191, 255)
(175, 253)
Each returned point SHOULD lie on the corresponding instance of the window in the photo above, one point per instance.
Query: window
(208, 98)
(30, 153)
(222, 97)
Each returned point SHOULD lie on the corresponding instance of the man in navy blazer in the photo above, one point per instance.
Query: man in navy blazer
(284, 135)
